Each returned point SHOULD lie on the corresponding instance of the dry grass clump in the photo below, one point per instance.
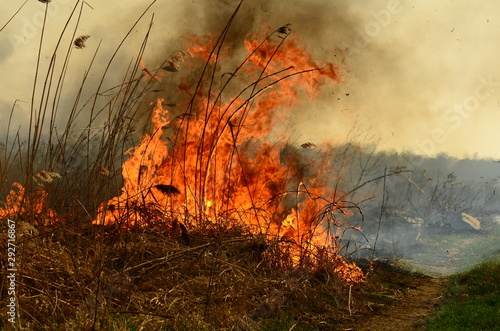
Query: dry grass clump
(80, 41)
(149, 279)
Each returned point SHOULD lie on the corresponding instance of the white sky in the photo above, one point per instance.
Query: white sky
(420, 75)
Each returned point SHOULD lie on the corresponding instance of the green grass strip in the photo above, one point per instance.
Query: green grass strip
(473, 301)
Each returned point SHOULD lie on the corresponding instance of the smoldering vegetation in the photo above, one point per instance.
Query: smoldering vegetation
(439, 214)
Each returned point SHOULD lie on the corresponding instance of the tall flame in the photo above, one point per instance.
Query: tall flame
(215, 163)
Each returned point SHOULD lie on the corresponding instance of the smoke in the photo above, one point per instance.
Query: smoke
(419, 76)
(418, 63)
(413, 77)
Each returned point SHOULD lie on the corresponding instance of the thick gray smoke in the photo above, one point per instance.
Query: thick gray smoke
(417, 76)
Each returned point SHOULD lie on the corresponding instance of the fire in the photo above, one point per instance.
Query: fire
(14, 202)
(19, 204)
(216, 163)
(147, 73)
(202, 47)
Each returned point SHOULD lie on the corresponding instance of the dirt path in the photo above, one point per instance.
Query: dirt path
(408, 312)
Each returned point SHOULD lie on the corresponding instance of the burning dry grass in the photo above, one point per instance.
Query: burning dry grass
(150, 279)
(215, 226)
(218, 165)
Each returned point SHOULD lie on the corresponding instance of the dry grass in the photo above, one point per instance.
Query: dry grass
(149, 279)
(80, 41)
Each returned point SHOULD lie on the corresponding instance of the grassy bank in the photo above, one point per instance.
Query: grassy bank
(472, 301)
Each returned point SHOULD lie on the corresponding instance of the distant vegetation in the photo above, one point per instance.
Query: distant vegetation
(407, 199)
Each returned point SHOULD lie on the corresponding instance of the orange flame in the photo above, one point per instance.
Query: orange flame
(19, 205)
(147, 73)
(219, 166)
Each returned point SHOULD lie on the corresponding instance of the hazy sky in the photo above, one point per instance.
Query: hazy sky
(418, 75)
